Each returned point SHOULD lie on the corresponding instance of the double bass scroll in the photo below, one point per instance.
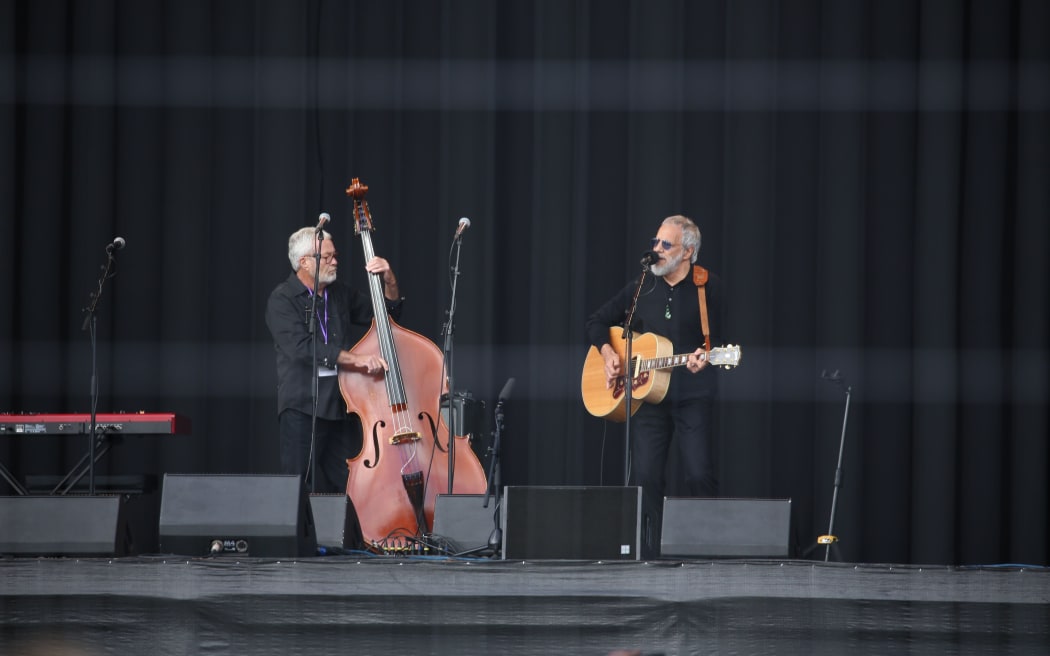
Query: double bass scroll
(404, 462)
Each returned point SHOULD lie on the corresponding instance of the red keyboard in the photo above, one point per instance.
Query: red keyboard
(141, 423)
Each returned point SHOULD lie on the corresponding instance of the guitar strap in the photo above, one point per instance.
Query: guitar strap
(700, 280)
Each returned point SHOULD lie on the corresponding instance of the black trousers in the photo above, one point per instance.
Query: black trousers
(673, 438)
(336, 440)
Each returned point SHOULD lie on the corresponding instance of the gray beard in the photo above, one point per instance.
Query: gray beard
(666, 266)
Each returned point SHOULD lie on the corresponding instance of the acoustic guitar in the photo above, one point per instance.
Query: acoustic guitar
(652, 358)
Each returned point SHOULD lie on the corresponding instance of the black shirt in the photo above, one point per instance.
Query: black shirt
(343, 313)
(656, 301)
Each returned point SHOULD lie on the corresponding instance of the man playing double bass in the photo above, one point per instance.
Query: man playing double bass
(339, 309)
(678, 430)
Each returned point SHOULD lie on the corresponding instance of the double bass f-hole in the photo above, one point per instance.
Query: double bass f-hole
(398, 438)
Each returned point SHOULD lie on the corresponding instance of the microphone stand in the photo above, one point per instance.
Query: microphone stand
(493, 488)
(311, 473)
(108, 271)
(628, 378)
(830, 538)
(447, 330)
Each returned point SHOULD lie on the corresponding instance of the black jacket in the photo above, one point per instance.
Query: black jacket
(349, 314)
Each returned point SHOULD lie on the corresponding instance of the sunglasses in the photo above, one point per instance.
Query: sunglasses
(663, 242)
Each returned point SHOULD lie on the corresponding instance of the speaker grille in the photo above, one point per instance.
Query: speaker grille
(253, 515)
(63, 525)
(726, 527)
(575, 523)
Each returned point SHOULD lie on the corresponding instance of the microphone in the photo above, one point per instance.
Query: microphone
(323, 219)
(651, 257)
(507, 389)
(115, 245)
(835, 378)
(464, 223)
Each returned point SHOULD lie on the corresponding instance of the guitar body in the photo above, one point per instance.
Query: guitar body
(647, 386)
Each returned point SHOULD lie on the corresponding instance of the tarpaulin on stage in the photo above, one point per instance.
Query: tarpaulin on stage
(385, 605)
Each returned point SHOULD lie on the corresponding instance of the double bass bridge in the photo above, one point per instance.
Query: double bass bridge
(405, 435)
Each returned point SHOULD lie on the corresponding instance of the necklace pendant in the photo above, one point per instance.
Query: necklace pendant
(667, 312)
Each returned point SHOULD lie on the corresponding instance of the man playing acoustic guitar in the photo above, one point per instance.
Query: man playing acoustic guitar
(680, 303)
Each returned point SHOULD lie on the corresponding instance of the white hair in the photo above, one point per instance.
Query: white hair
(690, 233)
(302, 242)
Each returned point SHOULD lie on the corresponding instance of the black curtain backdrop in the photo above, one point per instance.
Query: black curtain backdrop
(870, 179)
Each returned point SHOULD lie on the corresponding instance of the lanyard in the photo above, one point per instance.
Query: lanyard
(323, 323)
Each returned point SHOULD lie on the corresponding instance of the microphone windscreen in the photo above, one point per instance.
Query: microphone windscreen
(507, 389)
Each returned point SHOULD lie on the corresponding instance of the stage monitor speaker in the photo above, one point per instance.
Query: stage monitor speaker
(247, 515)
(726, 528)
(463, 521)
(336, 523)
(329, 512)
(469, 420)
(104, 525)
(576, 523)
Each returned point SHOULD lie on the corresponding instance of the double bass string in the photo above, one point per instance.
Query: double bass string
(395, 388)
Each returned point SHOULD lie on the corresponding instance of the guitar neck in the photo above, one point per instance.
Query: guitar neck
(666, 362)
(727, 356)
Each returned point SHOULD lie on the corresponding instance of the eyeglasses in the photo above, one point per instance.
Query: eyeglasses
(326, 258)
(663, 242)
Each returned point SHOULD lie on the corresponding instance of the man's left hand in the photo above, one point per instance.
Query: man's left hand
(697, 360)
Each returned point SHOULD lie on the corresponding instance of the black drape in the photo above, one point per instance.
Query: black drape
(870, 179)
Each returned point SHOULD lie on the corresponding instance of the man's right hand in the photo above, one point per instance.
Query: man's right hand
(613, 365)
(369, 363)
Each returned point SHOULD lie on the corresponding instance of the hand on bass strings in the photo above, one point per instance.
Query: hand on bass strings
(369, 363)
(381, 267)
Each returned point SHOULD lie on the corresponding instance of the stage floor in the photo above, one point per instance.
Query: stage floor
(370, 605)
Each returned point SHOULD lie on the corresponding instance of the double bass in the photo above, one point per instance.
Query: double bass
(403, 465)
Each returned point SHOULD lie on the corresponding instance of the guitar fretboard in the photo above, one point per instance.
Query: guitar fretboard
(665, 362)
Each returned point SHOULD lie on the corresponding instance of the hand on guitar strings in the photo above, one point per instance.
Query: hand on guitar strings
(613, 366)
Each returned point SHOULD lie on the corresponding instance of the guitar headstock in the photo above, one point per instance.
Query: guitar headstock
(726, 356)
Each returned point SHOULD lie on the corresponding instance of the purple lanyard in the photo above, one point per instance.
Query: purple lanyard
(322, 322)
